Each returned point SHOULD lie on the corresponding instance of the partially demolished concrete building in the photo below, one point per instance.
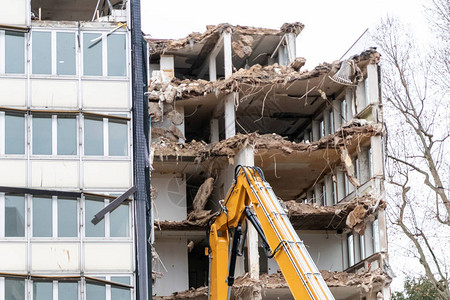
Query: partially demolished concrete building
(239, 95)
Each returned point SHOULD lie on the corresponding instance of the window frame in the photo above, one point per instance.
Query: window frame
(3, 219)
(54, 56)
(54, 136)
(3, 55)
(3, 153)
(105, 121)
(104, 44)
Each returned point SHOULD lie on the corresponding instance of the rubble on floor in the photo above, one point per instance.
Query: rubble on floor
(231, 146)
(244, 285)
(303, 216)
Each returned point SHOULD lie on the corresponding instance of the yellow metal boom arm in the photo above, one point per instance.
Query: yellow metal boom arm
(252, 197)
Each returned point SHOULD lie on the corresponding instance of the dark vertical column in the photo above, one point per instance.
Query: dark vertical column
(141, 175)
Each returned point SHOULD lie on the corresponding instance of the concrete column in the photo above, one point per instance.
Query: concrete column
(318, 191)
(282, 56)
(382, 230)
(326, 121)
(337, 114)
(212, 68)
(361, 101)
(214, 130)
(329, 190)
(180, 109)
(364, 168)
(377, 156)
(340, 177)
(227, 53)
(230, 115)
(167, 65)
(350, 103)
(373, 94)
(291, 47)
(315, 130)
(246, 157)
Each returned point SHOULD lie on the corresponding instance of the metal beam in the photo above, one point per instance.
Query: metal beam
(101, 214)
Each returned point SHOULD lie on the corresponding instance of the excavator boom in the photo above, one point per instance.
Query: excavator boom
(252, 198)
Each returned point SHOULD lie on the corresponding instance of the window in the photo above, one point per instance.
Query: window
(49, 290)
(120, 293)
(98, 291)
(116, 55)
(42, 217)
(65, 53)
(105, 137)
(46, 61)
(55, 217)
(115, 223)
(114, 63)
(42, 290)
(68, 290)
(14, 134)
(42, 52)
(351, 250)
(14, 52)
(95, 291)
(54, 135)
(321, 129)
(42, 135)
(14, 216)
(14, 289)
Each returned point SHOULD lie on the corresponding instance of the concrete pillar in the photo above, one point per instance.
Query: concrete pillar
(372, 86)
(364, 167)
(361, 101)
(291, 47)
(382, 230)
(377, 156)
(328, 190)
(337, 114)
(214, 131)
(180, 109)
(315, 130)
(246, 157)
(318, 191)
(350, 103)
(326, 121)
(230, 115)
(227, 53)
(282, 56)
(167, 65)
(341, 190)
(212, 68)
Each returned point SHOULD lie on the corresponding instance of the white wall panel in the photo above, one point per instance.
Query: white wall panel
(13, 172)
(54, 256)
(100, 94)
(13, 256)
(171, 199)
(107, 174)
(13, 12)
(174, 255)
(55, 174)
(108, 256)
(12, 91)
(54, 93)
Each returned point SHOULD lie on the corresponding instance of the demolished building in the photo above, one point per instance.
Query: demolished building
(239, 95)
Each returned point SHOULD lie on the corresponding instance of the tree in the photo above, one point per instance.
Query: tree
(417, 105)
(417, 289)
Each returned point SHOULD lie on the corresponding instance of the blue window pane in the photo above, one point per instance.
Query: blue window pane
(91, 208)
(119, 219)
(92, 54)
(67, 136)
(42, 290)
(14, 134)
(42, 217)
(120, 293)
(68, 290)
(118, 138)
(67, 218)
(95, 292)
(14, 289)
(42, 53)
(117, 59)
(42, 135)
(65, 53)
(14, 216)
(14, 52)
(93, 137)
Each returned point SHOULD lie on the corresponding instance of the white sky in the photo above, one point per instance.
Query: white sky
(331, 27)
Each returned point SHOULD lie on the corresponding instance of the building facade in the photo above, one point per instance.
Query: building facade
(66, 151)
(239, 95)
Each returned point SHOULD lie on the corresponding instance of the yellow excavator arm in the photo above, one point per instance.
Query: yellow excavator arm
(252, 198)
